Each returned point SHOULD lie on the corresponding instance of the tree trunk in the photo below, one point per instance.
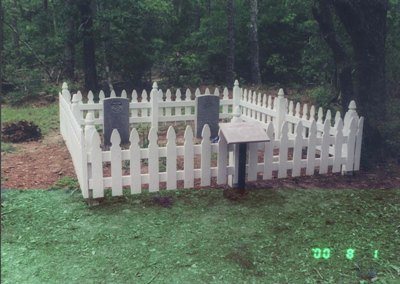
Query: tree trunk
(254, 49)
(230, 58)
(14, 22)
(89, 59)
(322, 12)
(365, 22)
(1, 47)
(69, 45)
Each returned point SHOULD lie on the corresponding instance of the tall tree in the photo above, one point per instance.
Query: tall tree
(322, 12)
(365, 24)
(230, 58)
(1, 47)
(254, 49)
(87, 8)
(69, 44)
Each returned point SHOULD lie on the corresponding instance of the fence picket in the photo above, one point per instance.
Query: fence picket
(116, 163)
(222, 159)
(188, 96)
(351, 141)
(134, 164)
(153, 161)
(97, 165)
(171, 158)
(312, 142)
(178, 98)
(357, 152)
(337, 158)
(188, 158)
(297, 150)
(205, 156)
(283, 151)
(269, 152)
(324, 156)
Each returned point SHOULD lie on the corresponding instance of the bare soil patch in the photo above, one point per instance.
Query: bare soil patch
(39, 164)
(36, 164)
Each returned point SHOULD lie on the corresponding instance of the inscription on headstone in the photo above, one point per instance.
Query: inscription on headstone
(207, 112)
(116, 116)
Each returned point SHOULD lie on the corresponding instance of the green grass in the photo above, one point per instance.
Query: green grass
(47, 118)
(7, 147)
(53, 237)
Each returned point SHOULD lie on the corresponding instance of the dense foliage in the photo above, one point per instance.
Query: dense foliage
(126, 44)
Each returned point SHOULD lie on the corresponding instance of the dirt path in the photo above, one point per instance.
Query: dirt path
(39, 164)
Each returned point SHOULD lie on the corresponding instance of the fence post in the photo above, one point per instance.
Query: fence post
(233, 159)
(154, 106)
(280, 112)
(349, 115)
(65, 92)
(237, 94)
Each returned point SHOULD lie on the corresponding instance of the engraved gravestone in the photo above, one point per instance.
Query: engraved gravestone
(207, 112)
(116, 116)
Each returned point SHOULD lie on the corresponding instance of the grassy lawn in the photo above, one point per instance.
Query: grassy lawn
(53, 237)
(45, 117)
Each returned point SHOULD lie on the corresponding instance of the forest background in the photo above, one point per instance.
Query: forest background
(331, 51)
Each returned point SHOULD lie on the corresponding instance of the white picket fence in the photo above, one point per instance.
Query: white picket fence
(303, 142)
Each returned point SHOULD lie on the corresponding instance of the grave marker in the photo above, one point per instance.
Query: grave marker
(207, 112)
(116, 116)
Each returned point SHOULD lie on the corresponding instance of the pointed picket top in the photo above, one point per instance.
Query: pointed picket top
(236, 84)
(216, 92)
(320, 115)
(188, 95)
(94, 140)
(264, 100)
(312, 112)
(291, 108)
(188, 133)
(171, 135)
(305, 111)
(113, 94)
(269, 101)
(270, 131)
(77, 98)
(299, 129)
(178, 95)
(339, 124)
(64, 86)
(244, 95)
(285, 129)
(134, 137)
(253, 97)
(259, 99)
(281, 93)
(145, 97)
(102, 96)
(328, 114)
(225, 94)
(337, 116)
(124, 94)
(197, 92)
(155, 86)
(115, 138)
(352, 105)
(90, 97)
(207, 91)
(298, 109)
(159, 95)
(206, 133)
(168, 95)
(313, 129)
(89, 119)
(134, 96)
(153, 136)
(327, 126)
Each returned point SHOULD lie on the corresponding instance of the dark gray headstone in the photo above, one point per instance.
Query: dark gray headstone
(207, 112)
(116, 116)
